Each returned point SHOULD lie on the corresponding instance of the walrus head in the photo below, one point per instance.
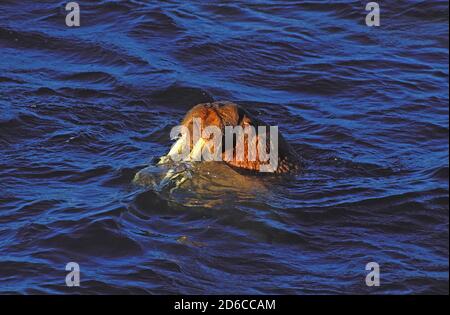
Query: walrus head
(225, 116)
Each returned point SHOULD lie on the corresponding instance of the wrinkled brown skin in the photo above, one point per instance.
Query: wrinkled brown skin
(223, 114)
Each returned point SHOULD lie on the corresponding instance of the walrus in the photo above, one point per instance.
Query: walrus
(227, 114)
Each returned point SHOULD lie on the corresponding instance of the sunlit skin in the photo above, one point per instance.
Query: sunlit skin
(221, 114)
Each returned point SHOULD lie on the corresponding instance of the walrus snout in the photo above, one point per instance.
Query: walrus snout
(226, 116)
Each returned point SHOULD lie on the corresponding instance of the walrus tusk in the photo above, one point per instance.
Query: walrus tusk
(175, 150)
(177, 147)
(196, 153)
(171, 174)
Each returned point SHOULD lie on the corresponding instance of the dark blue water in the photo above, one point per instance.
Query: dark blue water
(82, 110)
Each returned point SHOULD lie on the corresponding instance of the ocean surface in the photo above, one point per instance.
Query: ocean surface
(83, 109)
